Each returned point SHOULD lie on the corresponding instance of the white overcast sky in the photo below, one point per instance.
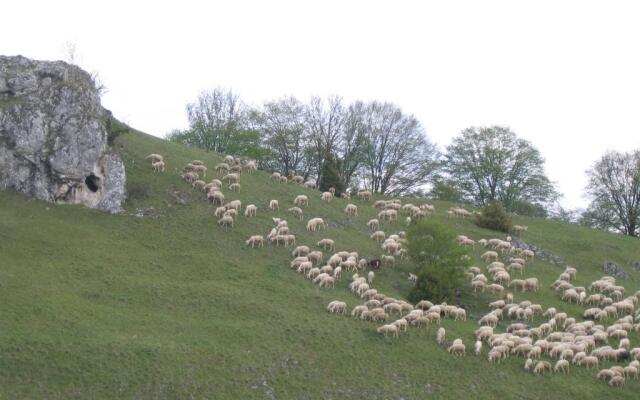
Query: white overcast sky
(563, 74)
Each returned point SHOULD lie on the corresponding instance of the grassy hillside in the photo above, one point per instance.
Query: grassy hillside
(160, 302)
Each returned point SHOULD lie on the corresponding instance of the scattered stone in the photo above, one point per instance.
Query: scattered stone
(612, 269)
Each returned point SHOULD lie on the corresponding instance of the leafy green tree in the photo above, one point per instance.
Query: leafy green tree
(439, 261)
(495, 217)
(614, 187)
(218, 121)
(492, 164)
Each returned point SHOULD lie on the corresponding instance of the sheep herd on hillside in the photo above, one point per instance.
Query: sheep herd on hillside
(610, 314)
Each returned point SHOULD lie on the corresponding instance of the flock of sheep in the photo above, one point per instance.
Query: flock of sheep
(560, 337)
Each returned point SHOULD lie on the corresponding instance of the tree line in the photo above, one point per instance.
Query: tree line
(376, 146)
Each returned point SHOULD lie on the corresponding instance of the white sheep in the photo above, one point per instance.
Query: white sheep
(365, 195)
(297, 212)
(153, 157)
(373, 224)
(378, 236)
(388, 260)
(326, 196)
(251, 167)
(300, 251)
(351, 210)
(255, 240)
(457, 348)
(200, 168)
(440, 336)
(226, 221)
(327, 244)
(337, 307)
(158, 166)
(250, 210)
(273, 205)
(370, 276)
(222, 168)
(301, 200)
(388, 329)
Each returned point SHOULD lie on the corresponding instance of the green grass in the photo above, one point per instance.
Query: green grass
(170, 305)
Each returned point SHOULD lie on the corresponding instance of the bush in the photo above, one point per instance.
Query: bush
(439, 260)
(494, 217)
(331, 177)
(445, 191)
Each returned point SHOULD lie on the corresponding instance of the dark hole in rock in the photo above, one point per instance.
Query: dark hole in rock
(92, 182)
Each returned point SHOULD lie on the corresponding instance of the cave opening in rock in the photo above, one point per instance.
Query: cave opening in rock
(92, 182)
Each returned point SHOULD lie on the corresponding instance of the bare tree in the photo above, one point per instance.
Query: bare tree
(397, 157)
(614, 187)
(324, 123)
(282, 124)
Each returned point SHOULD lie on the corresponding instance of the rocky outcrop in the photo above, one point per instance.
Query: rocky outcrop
(53, 136)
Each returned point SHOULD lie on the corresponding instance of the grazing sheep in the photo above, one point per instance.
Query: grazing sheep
(301, 200)
(316, 257)
(229, 159)
(220, 212)
(351, 210)
(158, 166)
(297, 212)
(541, 367)
(274, 206)
(198, 184)
(222, 168)
(327, 281)
(373, 224)
(388, 329)
(519, 229)
(251, 167)
(327, 244)
(487, 255)
(234, 187)
(440, 336)
(200, 168)
(326, 196)
(617, 380)
(283, 179)
(231, 178)
(378, 236)
(300, 251)
(370, 276)
(250, 210)
(216, 198)
(154, 158)
(226, 221)
(478, 347)
(589, 362)
(388, 260)
(235, 204)
(315, 223)
(562, 366)
(337, 307)
(365, 195)
(190, 177)
(255, 240)
(457, 348)
(275, 176)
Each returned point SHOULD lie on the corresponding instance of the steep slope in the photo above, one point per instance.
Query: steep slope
(160, 302)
